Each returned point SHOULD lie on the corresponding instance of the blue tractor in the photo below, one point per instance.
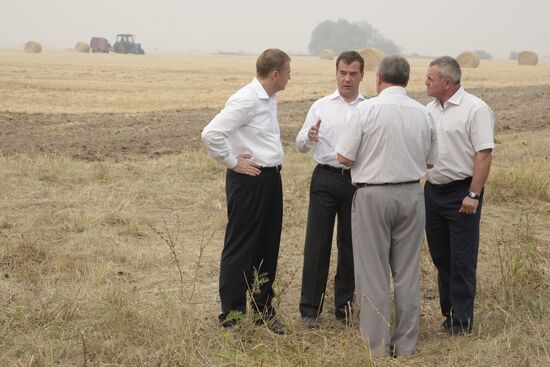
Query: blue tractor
(125, 44)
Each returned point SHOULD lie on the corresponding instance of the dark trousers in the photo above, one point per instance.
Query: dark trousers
(252, 238)
(453, 240)
(330, 196)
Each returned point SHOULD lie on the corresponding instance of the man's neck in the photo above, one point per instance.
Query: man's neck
(268, 86)
(384, 85)
(451, 92)
(349, 99)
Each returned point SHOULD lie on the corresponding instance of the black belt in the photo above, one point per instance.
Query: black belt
(272, 169)
(362, 184)
(338, 170)
(453, 184)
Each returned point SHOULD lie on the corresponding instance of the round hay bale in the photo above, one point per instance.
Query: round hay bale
(468, 59)
(82, 47)
(528, 58)
(326, 54)
(33, 47)
(372, 57)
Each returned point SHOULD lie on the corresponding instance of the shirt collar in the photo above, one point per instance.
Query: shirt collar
(393, 90)
(259, 89)
(457, 97)
(454, 100)
(336, 94)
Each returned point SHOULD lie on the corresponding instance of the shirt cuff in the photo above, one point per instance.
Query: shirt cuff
(230, 162)
(484, 146)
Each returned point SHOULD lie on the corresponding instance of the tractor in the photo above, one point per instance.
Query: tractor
(125, 45)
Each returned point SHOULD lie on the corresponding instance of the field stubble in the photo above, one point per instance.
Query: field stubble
(88, 275)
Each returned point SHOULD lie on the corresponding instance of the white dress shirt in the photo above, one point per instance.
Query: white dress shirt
(246, 125)
(465, 126)
(390, 137)
(334, 113)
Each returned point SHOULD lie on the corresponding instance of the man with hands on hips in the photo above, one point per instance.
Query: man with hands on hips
(245, 138)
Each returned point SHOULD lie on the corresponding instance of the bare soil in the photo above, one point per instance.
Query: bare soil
(116, 136)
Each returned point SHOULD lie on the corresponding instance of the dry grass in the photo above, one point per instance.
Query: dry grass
(86, 281)
(81, 264)
(78, 83)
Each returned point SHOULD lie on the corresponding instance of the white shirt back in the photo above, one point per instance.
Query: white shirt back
(391, 138)
(246, 125)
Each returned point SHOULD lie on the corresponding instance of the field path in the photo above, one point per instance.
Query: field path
(116, 136)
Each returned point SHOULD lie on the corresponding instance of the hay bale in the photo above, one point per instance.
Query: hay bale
(82, 47)
(372, 57)
(33, 47)
(326, 54)
(468, 59)
(528, 58)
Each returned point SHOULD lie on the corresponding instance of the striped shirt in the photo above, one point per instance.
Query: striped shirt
(391, 138)
(334, 113)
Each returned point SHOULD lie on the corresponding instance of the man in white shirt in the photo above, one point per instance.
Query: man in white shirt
(389, 143)
(245, 138)
(330, 194)
(454, 191)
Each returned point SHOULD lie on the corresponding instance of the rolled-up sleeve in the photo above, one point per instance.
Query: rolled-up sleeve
(237, 111)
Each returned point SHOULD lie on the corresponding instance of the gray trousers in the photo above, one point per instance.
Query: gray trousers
(387, 232)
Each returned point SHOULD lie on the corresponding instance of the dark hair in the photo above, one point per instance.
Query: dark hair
(394, 69)
(350, 56)
(448, 67)
(271, 59)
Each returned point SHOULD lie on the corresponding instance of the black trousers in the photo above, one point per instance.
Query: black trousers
(252, 238)
(330, 196)
(453, 240)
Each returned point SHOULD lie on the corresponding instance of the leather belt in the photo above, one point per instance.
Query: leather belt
(272, 169)
(453, 184)
(362, 184)
(338, 170)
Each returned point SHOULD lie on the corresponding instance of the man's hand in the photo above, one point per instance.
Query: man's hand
(469, 206)
(313, 133)
(246, 166)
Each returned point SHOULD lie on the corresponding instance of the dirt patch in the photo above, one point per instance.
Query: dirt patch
(115, 136)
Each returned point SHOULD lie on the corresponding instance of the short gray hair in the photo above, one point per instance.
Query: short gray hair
(395, 70)
(448, 67)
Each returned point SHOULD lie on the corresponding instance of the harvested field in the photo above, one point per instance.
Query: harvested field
(98, 136)
(112, 219)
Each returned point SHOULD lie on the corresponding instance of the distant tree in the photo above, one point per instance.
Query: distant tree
(342, 35)
(484, 55)
(514, 55)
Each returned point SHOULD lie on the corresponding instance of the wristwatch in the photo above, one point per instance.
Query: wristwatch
(473, 195)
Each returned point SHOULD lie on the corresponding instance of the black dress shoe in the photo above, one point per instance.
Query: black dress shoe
(273, 325)
(446, 325)
(458, 329)
(311, 322)
(344, 313)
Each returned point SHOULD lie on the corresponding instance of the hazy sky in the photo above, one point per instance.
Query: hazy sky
(425, 27)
